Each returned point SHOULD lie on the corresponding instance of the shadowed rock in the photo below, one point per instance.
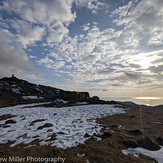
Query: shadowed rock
(35, 121)
(130, 144)
(135, 132)
(10, 121)
(6, 126)
(86, 135)
(105, 135)
(45, 126)
(148, 144)
(160, 140)
(113, 126)
(6, 116)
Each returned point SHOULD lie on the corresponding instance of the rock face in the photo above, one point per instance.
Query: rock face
(13, 90)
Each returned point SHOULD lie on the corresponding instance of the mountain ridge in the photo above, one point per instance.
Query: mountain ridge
(129, 103)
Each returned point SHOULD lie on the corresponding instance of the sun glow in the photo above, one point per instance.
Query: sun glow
(145, 62)
(147, 98)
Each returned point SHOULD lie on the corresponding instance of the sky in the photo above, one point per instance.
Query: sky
(109, 48)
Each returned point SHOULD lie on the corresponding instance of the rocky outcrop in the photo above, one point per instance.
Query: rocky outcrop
(147, 143)
(13, 91)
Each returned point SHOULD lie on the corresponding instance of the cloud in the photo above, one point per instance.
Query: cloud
(85, 27)
(33, 35)
(93, 5)
(13, 59)
(133, 75)
(106, 56)
(36, 17)
(42, 12)
(33, 57)
(49, 63)
(134, 65)
(158, 69)
(158, 61)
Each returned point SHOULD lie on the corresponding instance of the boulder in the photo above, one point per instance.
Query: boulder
(105, 135)
(86, 135)
(95, 98)
(160, 140)
(147, 143)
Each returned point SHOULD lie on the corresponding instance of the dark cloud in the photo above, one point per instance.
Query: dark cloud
(106, 71)
(13, 59)
(132, 75)
(117, 65)
(156, 69)
(116, 85)
(158, 61)
(134, 65)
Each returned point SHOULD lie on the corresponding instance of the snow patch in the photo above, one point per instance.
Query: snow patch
(82, 155)
(69, 124)
(82, 103)
(16, 90)
(60, 100)
(32, 97)
(157, 155)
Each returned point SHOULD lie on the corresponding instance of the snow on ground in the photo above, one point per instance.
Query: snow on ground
(16, 90)
(68, 124)
(32, 97)
(157, 155)
(60, 100)
(82, 103)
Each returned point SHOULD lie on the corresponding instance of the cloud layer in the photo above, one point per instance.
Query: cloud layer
(126, 54)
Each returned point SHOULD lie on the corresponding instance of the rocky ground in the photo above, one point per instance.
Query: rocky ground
(136, 127)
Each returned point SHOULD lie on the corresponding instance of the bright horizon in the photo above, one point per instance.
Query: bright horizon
(111, 49)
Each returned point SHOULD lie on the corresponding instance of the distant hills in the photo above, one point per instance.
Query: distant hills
(129, 103)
